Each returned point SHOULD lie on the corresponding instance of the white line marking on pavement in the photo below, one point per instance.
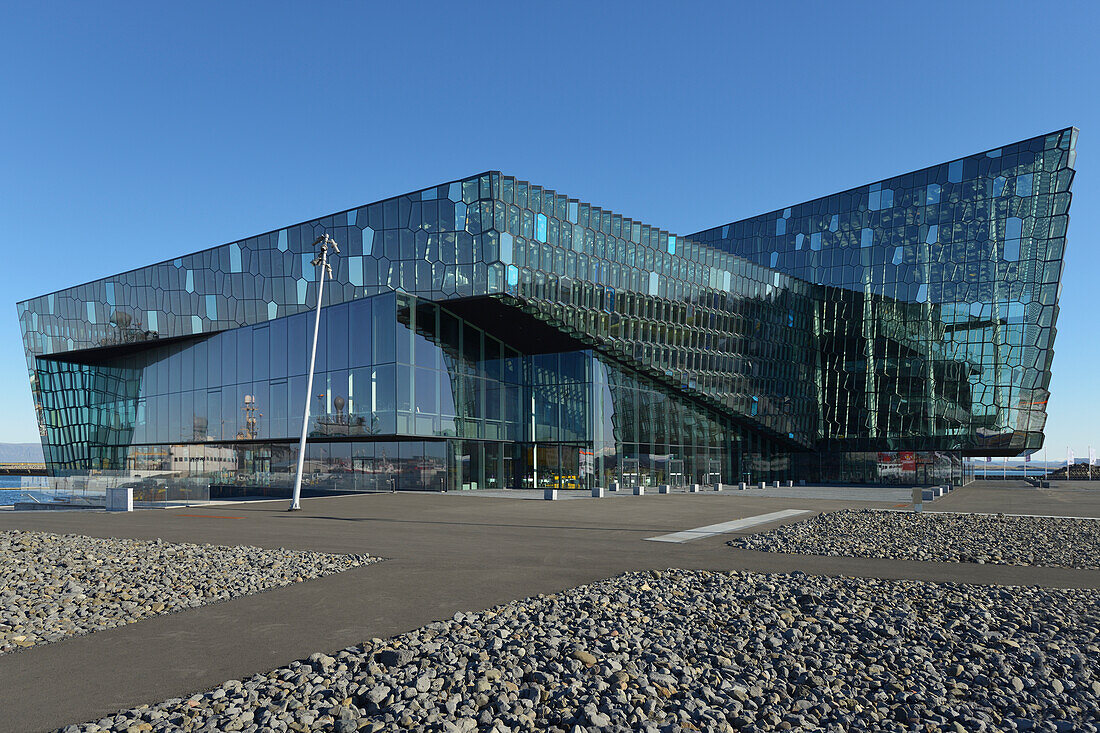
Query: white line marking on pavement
(710, 530)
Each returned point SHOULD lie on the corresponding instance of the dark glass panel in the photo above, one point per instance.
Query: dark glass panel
(214, 361)
(384, 392)
(277, 410)
(279, 348)
(173, 366)
(298, 344)
(242, 368)
(359, 333)
(338, 336)
(261, 352)
(384, 329)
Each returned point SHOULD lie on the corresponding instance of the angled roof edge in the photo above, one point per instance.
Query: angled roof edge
(851, 189)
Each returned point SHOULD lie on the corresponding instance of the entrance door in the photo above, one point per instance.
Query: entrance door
(714, 472)
(676, 474)
(547, 466)
(630, 476)
(586, 465)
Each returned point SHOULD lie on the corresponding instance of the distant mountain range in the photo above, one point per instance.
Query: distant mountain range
(21, 453)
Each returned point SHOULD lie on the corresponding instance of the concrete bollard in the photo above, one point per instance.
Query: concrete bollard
(927, 495)
(597, 492)
(790, 484)
(550, 494)
(693, 489)
(801, 482)
(614, 485)
(664, 489)
(742, 486)
(918, 500)
(639, 490)
(120, 499)
(718, 487)
(763, 484)
(776, 485)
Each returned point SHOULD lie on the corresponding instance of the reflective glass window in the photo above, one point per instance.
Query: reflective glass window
(242, 367)
(338, 336)
(383, 330)
(261, 352)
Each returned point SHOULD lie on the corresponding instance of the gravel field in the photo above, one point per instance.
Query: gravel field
(56, 586)
(694, 650)
(997, 539)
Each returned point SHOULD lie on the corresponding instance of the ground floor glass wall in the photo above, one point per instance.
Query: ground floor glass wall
(885, 467)
(420, 465)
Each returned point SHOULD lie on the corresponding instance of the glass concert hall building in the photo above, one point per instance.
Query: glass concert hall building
(493, 333)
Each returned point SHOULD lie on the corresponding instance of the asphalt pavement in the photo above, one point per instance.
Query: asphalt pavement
(444, 553)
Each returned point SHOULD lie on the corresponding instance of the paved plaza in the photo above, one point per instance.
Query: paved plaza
(443, 554)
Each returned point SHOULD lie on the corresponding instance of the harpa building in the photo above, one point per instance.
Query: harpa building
(493, 333)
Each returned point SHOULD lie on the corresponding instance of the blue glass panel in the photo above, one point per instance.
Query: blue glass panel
(540, 228)
(1024, 184)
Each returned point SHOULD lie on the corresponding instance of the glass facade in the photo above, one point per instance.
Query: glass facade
(406, 395)
(490, 333)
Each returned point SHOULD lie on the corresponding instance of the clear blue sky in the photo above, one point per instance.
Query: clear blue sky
(136, 132)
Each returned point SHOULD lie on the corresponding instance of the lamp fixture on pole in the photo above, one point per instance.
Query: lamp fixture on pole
(324, 270)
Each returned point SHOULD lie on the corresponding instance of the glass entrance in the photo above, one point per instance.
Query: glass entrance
(586, 468)
(676, 474)
(630, 476)
(714, 472)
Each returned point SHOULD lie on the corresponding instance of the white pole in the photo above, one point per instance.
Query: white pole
(322, 262)
(534, 446)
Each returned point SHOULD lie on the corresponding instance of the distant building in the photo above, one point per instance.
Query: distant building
(489, 332)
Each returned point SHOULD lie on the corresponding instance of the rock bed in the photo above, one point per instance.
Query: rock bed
(56, 586)
(694, 650)
(997, 539)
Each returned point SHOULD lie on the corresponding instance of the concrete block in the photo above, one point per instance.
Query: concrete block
(801, 482)
(550, 494)
(693, 489)
(597, 492)
(927, 495)
(614, 485)
(763, 484)
(717, 487)
(664, 489)
(120, 499)
(790, 484)
(639, 490)
(742, 486)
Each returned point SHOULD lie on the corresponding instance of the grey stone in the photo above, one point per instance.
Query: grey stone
(696, 650)
(54, 587)
(395, 657)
